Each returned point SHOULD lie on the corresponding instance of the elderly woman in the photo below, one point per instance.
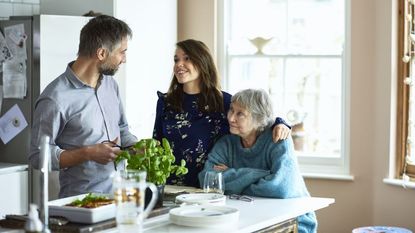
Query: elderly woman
(251, 163)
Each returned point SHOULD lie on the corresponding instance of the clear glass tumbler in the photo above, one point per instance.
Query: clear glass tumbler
(214, 182)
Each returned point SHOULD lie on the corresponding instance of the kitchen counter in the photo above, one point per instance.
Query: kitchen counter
(263, 213)
(254, 216)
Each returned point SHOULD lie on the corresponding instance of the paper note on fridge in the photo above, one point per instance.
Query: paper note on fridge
(14, 79)
(11, 124)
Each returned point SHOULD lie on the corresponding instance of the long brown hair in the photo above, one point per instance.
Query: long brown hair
(210, 98)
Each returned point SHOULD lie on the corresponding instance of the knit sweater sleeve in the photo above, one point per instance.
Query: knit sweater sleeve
(236, 179)
(284, 179)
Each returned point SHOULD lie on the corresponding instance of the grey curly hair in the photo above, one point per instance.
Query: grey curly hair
(259, 104)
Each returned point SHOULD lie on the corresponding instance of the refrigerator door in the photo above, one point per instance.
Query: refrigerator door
(16, 150)
(13, 155)
(52, 42)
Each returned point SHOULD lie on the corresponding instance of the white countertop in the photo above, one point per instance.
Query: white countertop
(261, 213)
(12, 167)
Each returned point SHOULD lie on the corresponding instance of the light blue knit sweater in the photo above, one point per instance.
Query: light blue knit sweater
(266, 169)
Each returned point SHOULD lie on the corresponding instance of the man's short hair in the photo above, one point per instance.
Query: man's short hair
(102, 32)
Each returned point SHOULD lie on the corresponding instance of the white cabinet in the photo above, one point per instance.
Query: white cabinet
(15, 189)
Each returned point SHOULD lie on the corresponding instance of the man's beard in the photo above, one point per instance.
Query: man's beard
(106, 69)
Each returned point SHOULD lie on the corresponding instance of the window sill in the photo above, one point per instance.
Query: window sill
(399, 182)
(328, 176)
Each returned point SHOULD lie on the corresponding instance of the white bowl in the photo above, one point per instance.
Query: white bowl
(78, 214)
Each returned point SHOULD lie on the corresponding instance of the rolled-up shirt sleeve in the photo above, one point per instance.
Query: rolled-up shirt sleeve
(47, 120)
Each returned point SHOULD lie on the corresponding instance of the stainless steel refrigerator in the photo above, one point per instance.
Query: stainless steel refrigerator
(51, 43)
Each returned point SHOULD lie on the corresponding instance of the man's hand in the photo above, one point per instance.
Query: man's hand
(103, 153)
(280, 132)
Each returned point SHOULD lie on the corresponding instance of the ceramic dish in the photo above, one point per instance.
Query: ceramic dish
(201, 198)
(381, 229)
(204, 216)
(78, 214)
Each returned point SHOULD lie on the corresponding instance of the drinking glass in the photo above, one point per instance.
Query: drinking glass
(129, 189)
(214, 182)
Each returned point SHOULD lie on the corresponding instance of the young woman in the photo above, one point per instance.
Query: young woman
(192, 114)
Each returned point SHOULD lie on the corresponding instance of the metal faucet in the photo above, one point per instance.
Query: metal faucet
(45, 165)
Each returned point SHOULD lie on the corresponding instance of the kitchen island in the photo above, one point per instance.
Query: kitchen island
(261, 214)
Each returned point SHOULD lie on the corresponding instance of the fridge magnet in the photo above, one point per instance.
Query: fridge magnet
(16, 122)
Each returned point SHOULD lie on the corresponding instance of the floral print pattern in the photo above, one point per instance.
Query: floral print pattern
(191, 134)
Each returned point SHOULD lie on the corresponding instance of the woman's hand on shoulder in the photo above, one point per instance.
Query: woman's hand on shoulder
(280, 132)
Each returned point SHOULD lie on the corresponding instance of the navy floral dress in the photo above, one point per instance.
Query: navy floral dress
(191, 133)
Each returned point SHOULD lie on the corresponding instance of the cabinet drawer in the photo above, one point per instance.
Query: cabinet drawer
(14, 194)
(288, 226)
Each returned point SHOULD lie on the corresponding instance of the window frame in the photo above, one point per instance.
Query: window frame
(310, 166)
(403, 96)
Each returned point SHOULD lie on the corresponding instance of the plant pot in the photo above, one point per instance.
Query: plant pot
(159, 201)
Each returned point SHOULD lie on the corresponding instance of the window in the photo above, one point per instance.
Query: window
(405, 164)
(296, 50)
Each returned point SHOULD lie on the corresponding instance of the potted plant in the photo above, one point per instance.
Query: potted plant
(156, 159)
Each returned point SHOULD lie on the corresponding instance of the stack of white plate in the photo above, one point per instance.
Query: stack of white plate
(205, 216)
(202, 198)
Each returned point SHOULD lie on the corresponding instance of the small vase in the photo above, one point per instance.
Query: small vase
(259, 43)
(160, 192)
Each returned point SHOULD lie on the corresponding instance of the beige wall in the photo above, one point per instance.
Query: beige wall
(366, 200)
(197, 20)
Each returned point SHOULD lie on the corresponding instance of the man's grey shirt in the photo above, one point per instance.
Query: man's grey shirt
(74, 115)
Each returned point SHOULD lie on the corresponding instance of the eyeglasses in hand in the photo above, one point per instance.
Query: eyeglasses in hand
(241, 197)
(113, 144)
